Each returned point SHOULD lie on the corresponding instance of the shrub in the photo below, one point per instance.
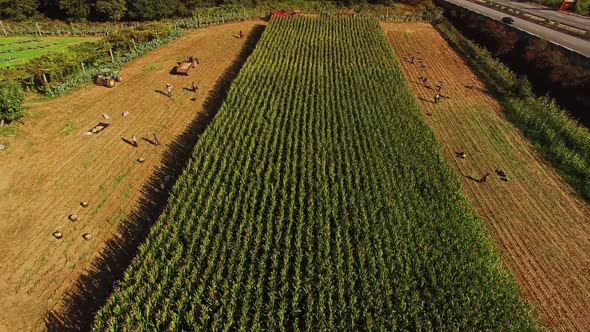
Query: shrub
(523, 87)
(11, 100)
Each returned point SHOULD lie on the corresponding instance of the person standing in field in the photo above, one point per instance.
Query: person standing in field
(156, 140)
(134, 141)
(440, 85)
(240, 35)
(194, 87)
(412, 59)
(169, 89)
(425, 82)
(437, 98)
(484, 179)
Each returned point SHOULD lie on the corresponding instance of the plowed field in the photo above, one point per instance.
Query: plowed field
(50, 167)
(540, 227)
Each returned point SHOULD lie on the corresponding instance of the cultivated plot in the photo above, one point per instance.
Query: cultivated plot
(50, 166)
(18, 50)
(317, 200)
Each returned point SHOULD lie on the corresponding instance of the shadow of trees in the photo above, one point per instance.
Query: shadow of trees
(92, 289)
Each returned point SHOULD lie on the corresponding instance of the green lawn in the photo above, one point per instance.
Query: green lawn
(24, 48)
(13, 40)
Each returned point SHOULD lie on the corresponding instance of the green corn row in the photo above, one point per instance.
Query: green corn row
(317, 200)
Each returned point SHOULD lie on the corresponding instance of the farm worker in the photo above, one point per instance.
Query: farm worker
(194, 87)
(440, 85)
(156, 140)
(413, 58)
(425, 81)
(169, 89)
(240, 35)
(134, 140)
(437, 98)
(484, 179)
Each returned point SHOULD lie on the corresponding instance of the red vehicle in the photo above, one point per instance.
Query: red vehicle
(295, 12)
(279, 13)
(567, 4)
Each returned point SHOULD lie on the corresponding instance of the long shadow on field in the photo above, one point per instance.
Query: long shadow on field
(90, 292)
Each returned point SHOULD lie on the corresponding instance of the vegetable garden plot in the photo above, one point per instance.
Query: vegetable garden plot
(317, 200)
(18, 50)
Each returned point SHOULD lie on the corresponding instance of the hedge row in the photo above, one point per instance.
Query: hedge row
(59, 69)
(61, 28)
(82, 77)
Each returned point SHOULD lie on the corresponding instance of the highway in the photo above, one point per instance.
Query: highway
(575, 21)
(575, 44)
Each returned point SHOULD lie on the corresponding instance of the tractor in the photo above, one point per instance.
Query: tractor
(107, 77)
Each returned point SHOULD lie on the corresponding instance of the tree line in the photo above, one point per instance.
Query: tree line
(548, 68)
(118, 10)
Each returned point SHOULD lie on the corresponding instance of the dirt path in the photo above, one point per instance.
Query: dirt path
(50, 167)
(541, 229)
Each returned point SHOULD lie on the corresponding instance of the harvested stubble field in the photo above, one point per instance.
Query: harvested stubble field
(50, 167)
(539, 225)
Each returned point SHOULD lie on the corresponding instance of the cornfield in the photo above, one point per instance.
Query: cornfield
(317, 200)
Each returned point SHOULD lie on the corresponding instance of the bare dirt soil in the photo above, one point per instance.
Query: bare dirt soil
(49, 167)
(540, 227)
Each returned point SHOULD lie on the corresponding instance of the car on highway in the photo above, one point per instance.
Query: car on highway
(507, 20)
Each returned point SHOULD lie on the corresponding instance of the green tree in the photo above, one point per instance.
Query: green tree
(50, 8)
(146, 10)
(75, 10)
(111, 10)
(11, 101)
(192, 4)
(18, 9)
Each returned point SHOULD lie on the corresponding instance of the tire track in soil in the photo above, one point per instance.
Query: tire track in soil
(52, 172)
(541, 228)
